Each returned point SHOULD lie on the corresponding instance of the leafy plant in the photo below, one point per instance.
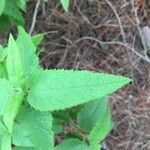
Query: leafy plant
(10, 13)
(65, 4)
(30, 97)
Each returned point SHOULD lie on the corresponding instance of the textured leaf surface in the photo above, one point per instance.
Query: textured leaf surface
(6, 142)
(27, 51)
(91, 113)
(60, 89)
(5, 138)
(3, 131)
(2, 5)
(12, 108)
(24, 148)
(65, 4)
(35, 129)
(101, 128)
(5, 92)
(72, 144)
(14, 63)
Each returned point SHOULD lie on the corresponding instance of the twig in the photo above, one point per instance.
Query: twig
(120, 43)
(34, 17)
(138, 27)
(118, 19)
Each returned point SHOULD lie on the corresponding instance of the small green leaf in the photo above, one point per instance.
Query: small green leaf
(72, 144)
(37, 39)
(36, 127)
(27, 49)
(5, 92)
(65, 4)
(91, 113)
(12, 109)
(14, 63)
(2, 5)
(101, 128)
(59, 89)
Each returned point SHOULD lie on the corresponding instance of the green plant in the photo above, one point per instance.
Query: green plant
(32, 101)
(65, 4)
(10, 13)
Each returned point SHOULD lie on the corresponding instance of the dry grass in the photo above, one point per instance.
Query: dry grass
(103, 20)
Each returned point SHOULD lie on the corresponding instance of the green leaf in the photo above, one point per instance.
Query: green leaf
(57, 126)
(12, 109)
(95, 147)
(12, 10)
(14, 63)
(37, 39)
(5, 92)
(65, 4)
(21, 136)
(5, 138)
(6, 142)
(4, 22)
(21, 4)
(72, 144)
(59, 89)
(101, 129)
(27, 49)
(3, 71)
(2, 5)
(91, 113)
(3, 131)
(35, 129)
(61, 115)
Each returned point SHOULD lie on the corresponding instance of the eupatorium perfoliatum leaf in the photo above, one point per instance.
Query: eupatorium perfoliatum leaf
(59, 89)
(27, 49)
(14, 63)
(33, 129)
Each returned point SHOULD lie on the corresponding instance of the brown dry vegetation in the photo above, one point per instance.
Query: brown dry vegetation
(73, 40)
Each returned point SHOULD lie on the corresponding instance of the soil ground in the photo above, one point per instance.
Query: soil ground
(73, 41)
